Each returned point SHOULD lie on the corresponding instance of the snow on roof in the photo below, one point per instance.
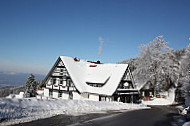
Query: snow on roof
(83, 72)
(98, 74)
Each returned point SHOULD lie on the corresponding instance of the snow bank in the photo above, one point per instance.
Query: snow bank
(24, 110)
(157, 101)
(163, 101)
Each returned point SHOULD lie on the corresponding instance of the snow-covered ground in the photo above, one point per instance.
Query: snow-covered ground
(24, 110)
(163, 101)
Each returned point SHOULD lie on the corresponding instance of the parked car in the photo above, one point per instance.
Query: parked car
(186, 113)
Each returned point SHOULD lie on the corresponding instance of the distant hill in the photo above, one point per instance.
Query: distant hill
(5, 91)
(15, 79)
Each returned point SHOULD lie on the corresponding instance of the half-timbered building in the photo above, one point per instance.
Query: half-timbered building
(72, 78)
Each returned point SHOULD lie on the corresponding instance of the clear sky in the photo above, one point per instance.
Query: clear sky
(34, 33)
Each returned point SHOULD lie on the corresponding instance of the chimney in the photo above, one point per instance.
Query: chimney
(98, 62)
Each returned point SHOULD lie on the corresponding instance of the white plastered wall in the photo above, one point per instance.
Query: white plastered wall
(55, 94)
(93, 97)
(46, 92)
(65, 95)
(76, 96)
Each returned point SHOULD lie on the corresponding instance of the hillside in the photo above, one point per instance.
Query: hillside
(13, 83)
(15, 79)
(5, 91)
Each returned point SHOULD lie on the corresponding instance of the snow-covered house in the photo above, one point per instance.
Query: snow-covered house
(71, 78)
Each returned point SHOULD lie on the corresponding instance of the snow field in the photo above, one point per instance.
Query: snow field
(25, 110)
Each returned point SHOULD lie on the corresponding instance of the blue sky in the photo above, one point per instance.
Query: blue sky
(34, 33)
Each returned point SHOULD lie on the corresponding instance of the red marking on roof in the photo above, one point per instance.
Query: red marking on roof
(93, 66)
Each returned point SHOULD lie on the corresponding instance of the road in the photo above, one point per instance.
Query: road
(156, 116)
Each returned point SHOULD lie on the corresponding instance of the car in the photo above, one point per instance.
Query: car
(186, 113)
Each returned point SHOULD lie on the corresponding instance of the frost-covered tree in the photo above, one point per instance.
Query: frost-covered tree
(185, 72)
(133, 62)
(30, 87)
(156, 65)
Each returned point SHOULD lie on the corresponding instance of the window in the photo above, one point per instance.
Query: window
(95, 85)
(143, 93)
(102, 98)
(64, 71)
(61, 82)
(70, 95)
(61, 70)
(126, 85)
(64, 83)
(68, 82)
(50, 93)
(71, 84)
(64, 77)
(60, 94)
(150, 93)
(54, 80)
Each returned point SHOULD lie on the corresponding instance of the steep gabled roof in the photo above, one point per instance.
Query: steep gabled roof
(83, 72)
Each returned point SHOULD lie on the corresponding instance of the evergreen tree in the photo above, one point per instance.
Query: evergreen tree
(30, 87)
